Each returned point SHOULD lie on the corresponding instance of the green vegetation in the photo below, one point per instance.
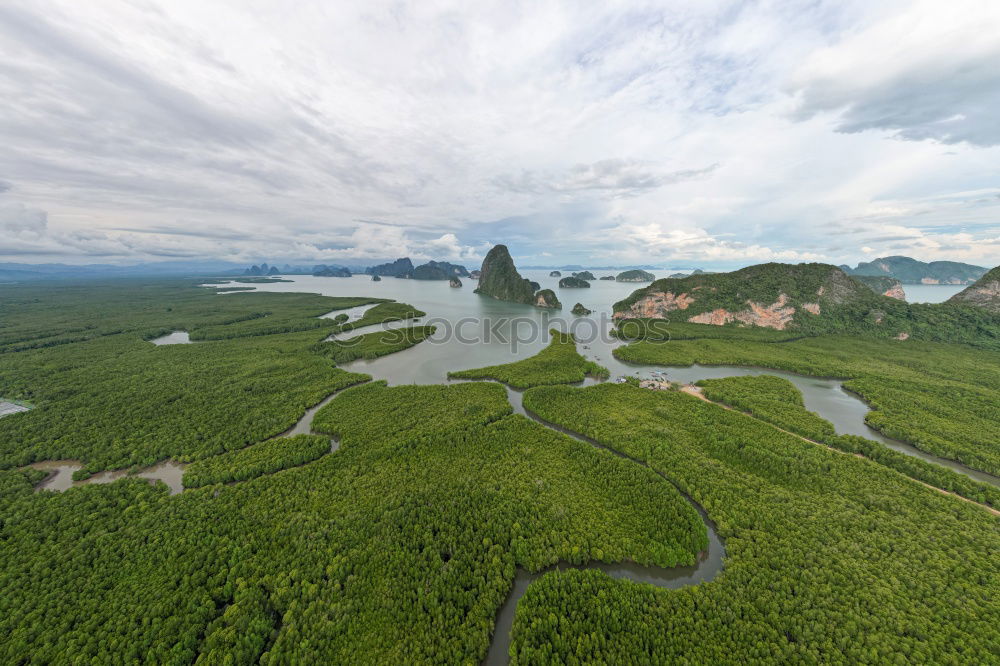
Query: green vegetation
(573, 282)
(499, 278)
(106, 397)
(779, 402)
(878, 283)
(984, 293)
(824, 299)
(580, 311)
(662, 329)
(830, 558)
(383, 312)
(375, 344)
(398, 549)
(253, 461)
(911, 271)
(559, 363)
(940, 398)
(635, 276)
(546, 298)
(409, 412)
(118, 401)
(35, 317)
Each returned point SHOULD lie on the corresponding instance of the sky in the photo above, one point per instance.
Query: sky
(713, 133)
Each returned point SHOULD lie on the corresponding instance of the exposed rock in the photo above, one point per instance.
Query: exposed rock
(896, 292)
(984, 293)
(578, 309)
(499, 278)
(811, 307)
(454, 282)
(656, 306)
(397, 268)
(546, 298)
(635, 276)
(584, 275)
(903, 336)
(884, 285)
(555, 274)
(573, 282)
(717, 317)
(776, 315)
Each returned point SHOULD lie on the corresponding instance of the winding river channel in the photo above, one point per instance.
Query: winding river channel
(472, 332)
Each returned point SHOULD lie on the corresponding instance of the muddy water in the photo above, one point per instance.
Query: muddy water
(175, 338)
(61, 475)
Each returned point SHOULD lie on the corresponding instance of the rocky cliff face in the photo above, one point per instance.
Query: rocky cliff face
(775, 296)
(983, 293)
(499, 278)
(886, 286)
(580, 310)
(546, 298)
(454, 282)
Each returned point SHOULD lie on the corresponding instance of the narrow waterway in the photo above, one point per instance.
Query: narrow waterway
(708, 565)
(61, 475)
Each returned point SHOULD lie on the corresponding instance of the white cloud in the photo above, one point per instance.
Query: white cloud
(434, 128)
(926, 71)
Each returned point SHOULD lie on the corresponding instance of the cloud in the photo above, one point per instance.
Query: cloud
(729, 132)
(926, 72)
(16, 219)
(616, 177)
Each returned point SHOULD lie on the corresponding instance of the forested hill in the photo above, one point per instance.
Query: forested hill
(802, 300)
(984, 293)
(911, 271)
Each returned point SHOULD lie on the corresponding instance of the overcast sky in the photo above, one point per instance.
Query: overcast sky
(683, 133)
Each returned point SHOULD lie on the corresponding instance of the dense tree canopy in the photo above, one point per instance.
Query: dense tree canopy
(559, 363)
(830, 558)
(943, 399)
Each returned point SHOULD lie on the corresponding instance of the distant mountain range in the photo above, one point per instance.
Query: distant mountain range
(18, 272)
(578, 267)
(911, 271)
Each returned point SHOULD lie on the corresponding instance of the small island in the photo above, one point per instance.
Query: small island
(454, 282)
(635, 276)
(555, 274)
(584, 275)
(573, 282)
(580, 311)
(546, 298)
